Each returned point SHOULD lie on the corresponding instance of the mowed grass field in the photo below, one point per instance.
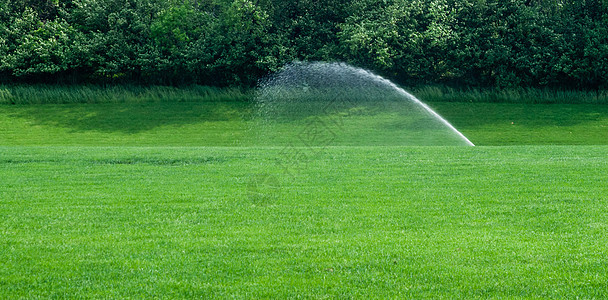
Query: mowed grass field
(229, 124)
(176, 200)
(364, 222)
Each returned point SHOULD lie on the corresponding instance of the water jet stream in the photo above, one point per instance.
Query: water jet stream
(318, 104)
(426, 107)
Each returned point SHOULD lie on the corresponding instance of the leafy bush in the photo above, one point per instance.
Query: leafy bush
(489, 43)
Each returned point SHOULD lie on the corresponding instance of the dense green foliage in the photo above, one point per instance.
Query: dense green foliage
(514, 43)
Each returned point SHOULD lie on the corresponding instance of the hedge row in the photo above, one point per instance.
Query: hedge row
(491, 43)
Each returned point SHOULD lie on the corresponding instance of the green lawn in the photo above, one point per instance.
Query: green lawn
(496, 124)
(175, 200)
(357, 222)
(124, 124)
(229, 124)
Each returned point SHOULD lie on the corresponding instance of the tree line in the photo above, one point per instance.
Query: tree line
(489, 43)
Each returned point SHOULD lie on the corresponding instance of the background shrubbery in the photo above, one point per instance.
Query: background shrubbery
(488, 43)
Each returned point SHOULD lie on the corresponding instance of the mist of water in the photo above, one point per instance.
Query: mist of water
(320, 104)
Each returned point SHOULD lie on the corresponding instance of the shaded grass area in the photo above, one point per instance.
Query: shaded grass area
(230, 123)
(528, 124)
(168, 123)
(385, 222)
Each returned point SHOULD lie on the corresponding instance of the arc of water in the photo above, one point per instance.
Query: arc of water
(426, 107)
(342, 73)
